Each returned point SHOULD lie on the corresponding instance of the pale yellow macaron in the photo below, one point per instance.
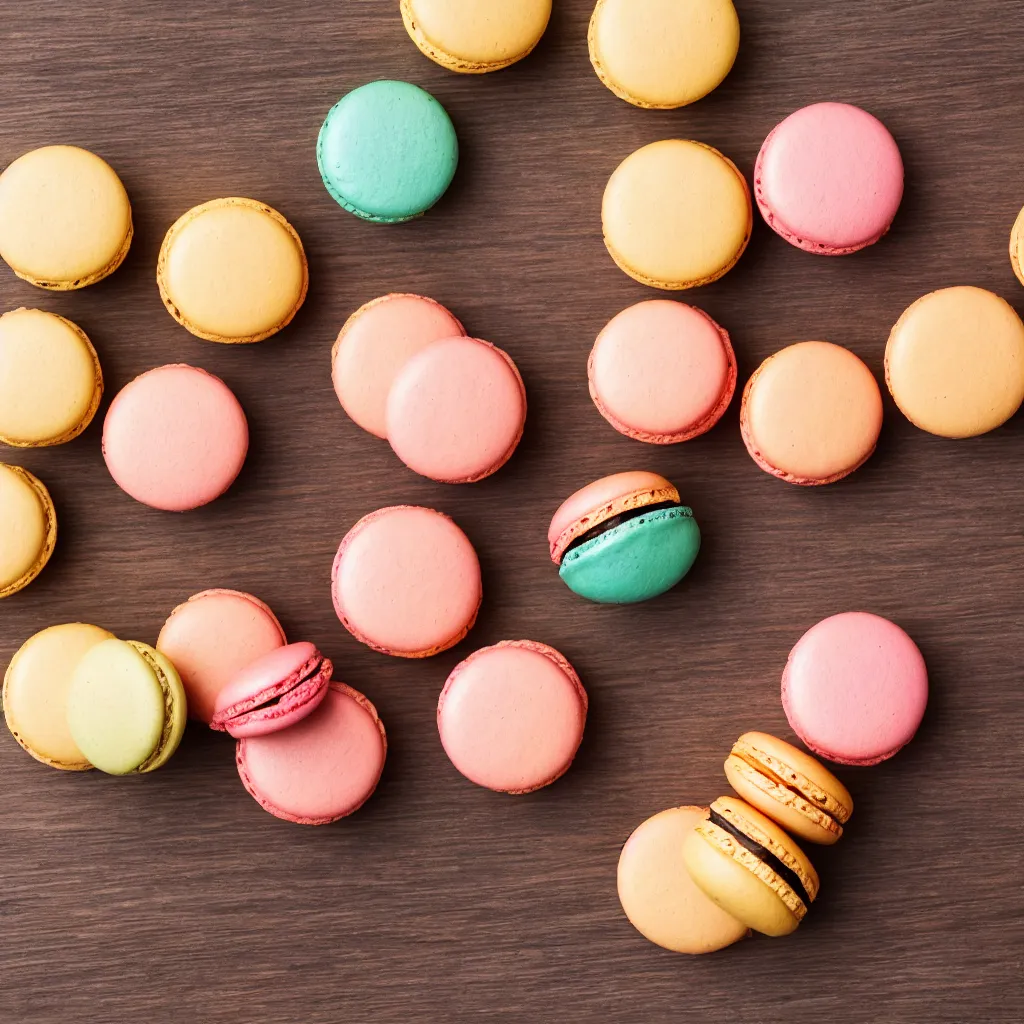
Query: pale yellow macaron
(1017, 247)
(676, 214)
(232, 270)
(65, 218)
(36, 692)
(954, 362)
(474, 36)
(663, 54)
(50, 379)
(28, 528)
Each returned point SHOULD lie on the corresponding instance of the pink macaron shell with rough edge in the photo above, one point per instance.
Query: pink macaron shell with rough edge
(213, 636)
(175, 438)
(511, 716)
(375, 342)
(662, 372)
(456, 410)
(274, 692)
(406, 582)
(321, 769)
(855, 688)
(829, 179)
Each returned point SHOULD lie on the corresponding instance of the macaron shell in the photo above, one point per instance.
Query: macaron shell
(175, 438)
(377, 340)
(511, 716)
(65, 218)
(232, 270)
(662, 54)
(811, 413)
(676, 214)
(175, 706)
(954, 362)
(659, 897)
(855, 688)
(50, 379)
(28, 528)
(829, 179)
(212, 637)
(1017, 247)
(35, 692)
(662, 372)
(323, 768)
(475, 36)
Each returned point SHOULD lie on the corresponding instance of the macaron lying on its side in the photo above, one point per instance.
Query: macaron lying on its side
(28, 528)
(1017, 247)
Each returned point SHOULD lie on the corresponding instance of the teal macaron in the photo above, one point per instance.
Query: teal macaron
(623, 539)
(387, 151)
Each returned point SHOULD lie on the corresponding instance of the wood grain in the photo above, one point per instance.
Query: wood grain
(175, 897)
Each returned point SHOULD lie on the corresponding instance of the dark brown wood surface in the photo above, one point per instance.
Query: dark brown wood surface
(174, 897)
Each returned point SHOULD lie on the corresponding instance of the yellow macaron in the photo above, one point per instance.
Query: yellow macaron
(28, 528)
(476, 36)
(676, 214)
(232, 270)
(50, 379)
(663, 54)
(1017, 247)
(65, 218)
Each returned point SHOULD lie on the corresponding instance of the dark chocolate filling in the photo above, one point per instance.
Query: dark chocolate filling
(622, 517)
(788, 875)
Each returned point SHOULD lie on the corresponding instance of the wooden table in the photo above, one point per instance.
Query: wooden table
(174, 897)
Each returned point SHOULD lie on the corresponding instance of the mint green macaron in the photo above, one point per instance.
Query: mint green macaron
(387, 151)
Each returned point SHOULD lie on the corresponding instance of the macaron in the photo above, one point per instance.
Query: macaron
(511, 716)
(321, 769)
(954, 362)
(406, 582)
(211, 637)
(624, 538)
(387, 151)
(475, 36)
(662, 54)
(377, 340)
(829, 179)
(791, 787)
(273, 693)
(28, 528)
(126, 707)
(456, 410)
(751, 868)
(855, 688)
(65, 218)
(35, 693)
(657, 894)
(662, 372)
(811, 413)
(175, 438)
(676, 214)
(232, 270)
(1017, 247)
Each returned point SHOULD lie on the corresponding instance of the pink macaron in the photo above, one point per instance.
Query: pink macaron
(829, 179)
(273, 693)
(456, 410)
(511, 716)
(322, 769)
(406, 582)
(662, 372)
(855, 688)
(175, 438)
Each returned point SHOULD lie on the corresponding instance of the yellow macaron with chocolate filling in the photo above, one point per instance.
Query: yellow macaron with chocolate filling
(751, 868)
(28, 528)
(791, 787)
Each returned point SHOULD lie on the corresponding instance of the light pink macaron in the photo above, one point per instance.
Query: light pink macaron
(377, 340)
(273, 693)
(662, 372)
(829, 179)
(406, 582)
(322, 769)
(175, 438)
(511, 716)
(456, 410)
(855, 688)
